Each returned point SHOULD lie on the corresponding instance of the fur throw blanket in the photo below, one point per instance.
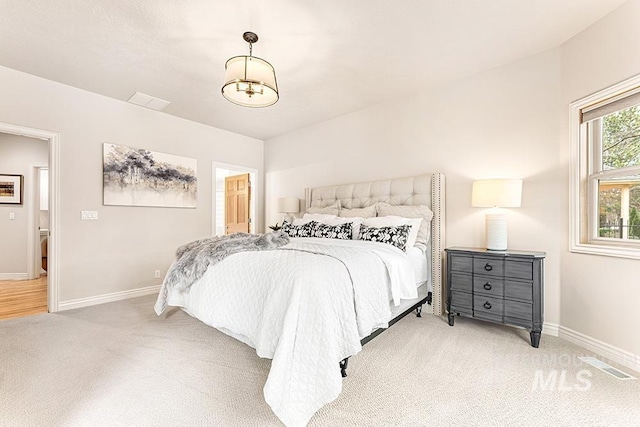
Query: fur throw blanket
(193, 259)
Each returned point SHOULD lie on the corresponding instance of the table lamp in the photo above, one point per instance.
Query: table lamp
(288, 206)
(496, 194)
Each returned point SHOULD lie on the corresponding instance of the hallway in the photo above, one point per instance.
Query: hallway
(23, 297)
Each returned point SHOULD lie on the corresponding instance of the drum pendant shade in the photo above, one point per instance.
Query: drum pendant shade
(250, 81)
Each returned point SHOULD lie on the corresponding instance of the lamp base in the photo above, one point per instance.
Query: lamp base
(496, 231)
(288, 218)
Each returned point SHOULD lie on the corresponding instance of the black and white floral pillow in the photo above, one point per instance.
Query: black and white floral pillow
(396, 236)
(340, 231)
(304, 230)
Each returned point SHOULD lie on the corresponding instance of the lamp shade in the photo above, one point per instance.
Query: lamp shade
(288, 205)
(250, 81)
(503, 193)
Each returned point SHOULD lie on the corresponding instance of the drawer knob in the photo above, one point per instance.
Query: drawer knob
(487, 305)
(488, 267)
(487, 286)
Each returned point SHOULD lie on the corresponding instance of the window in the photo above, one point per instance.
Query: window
(605, 177)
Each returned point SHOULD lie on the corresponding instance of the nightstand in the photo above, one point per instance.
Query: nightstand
(497, 286)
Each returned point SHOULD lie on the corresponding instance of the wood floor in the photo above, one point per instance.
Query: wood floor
(23, 297)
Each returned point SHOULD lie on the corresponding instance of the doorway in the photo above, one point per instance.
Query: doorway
(237, 199)
(23, 286)
(40, 221)
(31, 212)
(221, 171)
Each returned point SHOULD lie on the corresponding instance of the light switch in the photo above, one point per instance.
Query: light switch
(89, 215)
(12, 216)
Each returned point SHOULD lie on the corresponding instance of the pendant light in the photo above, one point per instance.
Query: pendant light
(248, 80)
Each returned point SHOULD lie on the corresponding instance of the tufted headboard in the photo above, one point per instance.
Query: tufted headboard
(417, 190)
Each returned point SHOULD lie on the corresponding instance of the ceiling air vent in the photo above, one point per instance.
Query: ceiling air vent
(147, 101)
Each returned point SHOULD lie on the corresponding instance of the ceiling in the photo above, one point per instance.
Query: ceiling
(331, 57)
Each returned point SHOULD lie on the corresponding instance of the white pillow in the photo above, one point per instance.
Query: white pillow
(394, 221)
(307, 217)
(333, 209)
(420, 211)
(368, 212)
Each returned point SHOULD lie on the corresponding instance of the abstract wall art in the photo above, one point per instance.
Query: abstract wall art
(139, 177)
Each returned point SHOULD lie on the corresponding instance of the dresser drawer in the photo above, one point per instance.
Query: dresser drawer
(518, 290)
(487, 305)
(518, 269)
(488, 266)
(487, 285)
(461, 263)
(518, 310)
(461, 300)
(497, 318)
(461, 282)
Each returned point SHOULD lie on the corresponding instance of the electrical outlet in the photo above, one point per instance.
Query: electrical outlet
(12, 216)
(156, 274)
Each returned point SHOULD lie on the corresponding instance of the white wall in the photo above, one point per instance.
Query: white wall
(488, 125)
(511, 121)
(122, 249)
(17, 156)
(600, 295)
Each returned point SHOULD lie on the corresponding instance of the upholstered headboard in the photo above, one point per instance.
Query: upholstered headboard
(417, 190)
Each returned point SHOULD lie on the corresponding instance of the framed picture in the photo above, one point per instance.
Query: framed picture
(11, 189)
(139, 177)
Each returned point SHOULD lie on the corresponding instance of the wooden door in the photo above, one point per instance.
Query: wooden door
(237, 198)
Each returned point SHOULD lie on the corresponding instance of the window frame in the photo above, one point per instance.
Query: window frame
(585, 173)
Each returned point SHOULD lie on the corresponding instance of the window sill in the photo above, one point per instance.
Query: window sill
(606, 250)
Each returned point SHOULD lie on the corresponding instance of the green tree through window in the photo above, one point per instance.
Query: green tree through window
(621, 139)
(620, 149)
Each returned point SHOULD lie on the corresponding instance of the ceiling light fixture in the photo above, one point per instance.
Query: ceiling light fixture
(248, 80)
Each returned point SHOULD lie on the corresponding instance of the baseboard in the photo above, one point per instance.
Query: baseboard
(608, 351)
(101, 299)
(552, 329)
(14, 276)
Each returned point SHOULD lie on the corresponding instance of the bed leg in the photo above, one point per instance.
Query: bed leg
(343, 367)
(429, 297)
(419, 311)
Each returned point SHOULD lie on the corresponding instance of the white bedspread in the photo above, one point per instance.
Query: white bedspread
(306, 306)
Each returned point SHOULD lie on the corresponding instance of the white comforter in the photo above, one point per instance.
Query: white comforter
(306, 306)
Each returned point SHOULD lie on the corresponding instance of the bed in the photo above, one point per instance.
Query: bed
(312, 303)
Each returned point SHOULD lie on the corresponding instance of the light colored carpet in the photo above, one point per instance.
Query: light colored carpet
(119, 364)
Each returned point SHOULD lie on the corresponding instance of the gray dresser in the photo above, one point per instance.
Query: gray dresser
(497, 286)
